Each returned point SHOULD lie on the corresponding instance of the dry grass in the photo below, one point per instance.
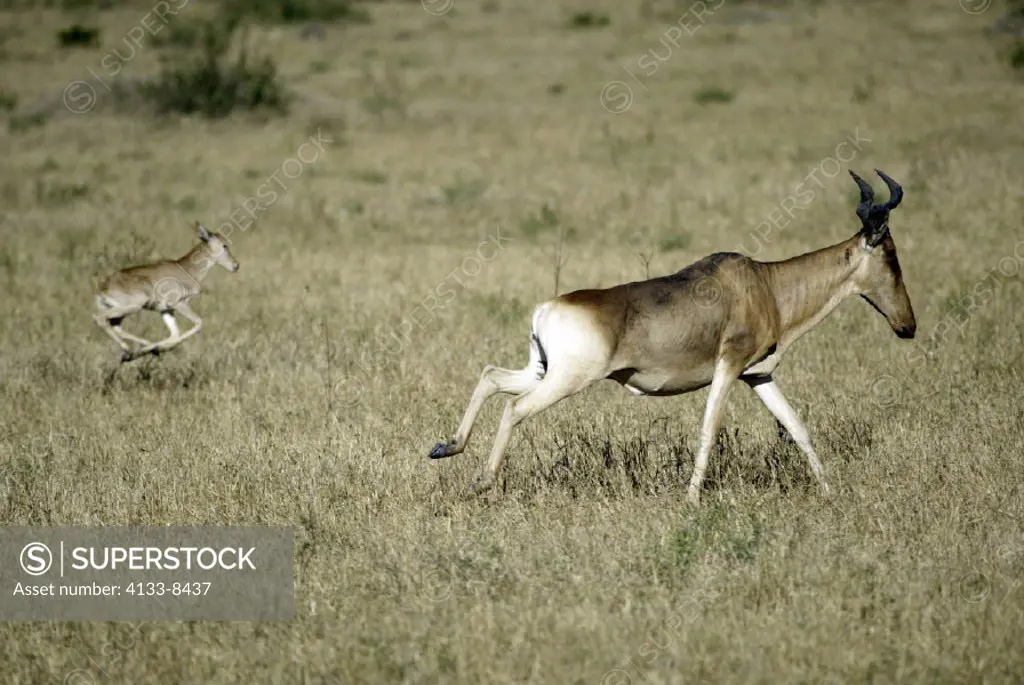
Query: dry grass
(587, 559)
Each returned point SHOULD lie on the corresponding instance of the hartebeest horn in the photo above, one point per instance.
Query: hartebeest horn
(867, 196)
(895, 191)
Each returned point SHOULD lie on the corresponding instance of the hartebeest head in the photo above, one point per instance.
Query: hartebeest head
(217, 247)
(879, 279)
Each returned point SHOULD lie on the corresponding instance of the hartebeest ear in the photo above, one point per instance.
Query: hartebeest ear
(874, 219)
(204, 235)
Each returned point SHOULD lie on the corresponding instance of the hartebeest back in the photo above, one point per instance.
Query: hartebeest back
(719, 319)
(165, 287)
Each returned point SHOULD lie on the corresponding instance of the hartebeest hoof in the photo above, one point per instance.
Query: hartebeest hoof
(440, 451)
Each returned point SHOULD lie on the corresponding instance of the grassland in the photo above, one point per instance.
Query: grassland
(585, 566)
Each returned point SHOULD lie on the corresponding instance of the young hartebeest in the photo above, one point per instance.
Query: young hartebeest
(165, 287)
(724, 317)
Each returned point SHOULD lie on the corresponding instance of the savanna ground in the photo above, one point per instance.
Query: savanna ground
(585, 566)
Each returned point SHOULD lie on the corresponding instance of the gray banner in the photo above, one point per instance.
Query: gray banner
(146, 573)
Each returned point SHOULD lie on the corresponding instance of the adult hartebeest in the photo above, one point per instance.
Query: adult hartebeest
(719, 319)
(164, 287)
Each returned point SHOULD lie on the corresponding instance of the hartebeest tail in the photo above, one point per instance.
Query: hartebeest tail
(723, 318)
(165, 287)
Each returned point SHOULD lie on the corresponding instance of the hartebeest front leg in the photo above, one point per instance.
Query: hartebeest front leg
(165, 344)
(780, 408)
(197, 323)
(175, 338)
(725, 374)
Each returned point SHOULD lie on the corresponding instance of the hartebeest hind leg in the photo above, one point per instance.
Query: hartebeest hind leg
(725, 374)
(110, 322)
(493, 380)
(554, 388)
(113, 331)
(780, 408)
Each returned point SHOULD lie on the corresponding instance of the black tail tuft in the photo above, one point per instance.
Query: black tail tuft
(543, 356)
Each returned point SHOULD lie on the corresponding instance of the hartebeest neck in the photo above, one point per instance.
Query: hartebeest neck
(808, 287)
(198, 262)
